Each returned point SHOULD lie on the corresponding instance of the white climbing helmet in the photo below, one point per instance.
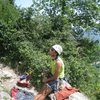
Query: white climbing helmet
(58, 48)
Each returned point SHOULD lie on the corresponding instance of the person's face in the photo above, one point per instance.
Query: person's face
(52, 52)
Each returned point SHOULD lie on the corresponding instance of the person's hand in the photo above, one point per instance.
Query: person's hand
(44, 80)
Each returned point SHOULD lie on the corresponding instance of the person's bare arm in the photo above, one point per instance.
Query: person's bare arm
(56, 74)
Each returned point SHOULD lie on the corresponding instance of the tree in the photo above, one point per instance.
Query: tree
(9, 13)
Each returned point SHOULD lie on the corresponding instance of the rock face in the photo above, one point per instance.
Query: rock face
(8, 80)
(77, 96)
(4, 96)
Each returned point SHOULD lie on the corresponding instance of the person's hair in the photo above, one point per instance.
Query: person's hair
(57, 54)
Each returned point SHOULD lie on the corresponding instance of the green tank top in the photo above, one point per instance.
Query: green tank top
(53, 67)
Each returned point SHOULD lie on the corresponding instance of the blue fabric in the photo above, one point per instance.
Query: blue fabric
(53, 85)
(22, 77)
(23, 95)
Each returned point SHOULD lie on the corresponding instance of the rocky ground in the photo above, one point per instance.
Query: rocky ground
(8, 79)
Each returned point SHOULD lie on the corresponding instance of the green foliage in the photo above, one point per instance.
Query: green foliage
(86, 12)
(8, 13)
(27, 34)
(84, 76)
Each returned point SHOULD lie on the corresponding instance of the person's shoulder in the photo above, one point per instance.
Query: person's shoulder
(59, 63)
(59, 59)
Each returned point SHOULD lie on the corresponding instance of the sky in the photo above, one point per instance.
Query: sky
(23, 3)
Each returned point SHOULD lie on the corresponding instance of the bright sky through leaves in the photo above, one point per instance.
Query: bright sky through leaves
(23, 3)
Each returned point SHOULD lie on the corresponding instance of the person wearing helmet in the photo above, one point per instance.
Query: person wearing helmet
(57, 71)
(57, 65)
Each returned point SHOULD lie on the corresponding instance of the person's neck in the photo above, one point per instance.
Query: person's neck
(54, 57)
